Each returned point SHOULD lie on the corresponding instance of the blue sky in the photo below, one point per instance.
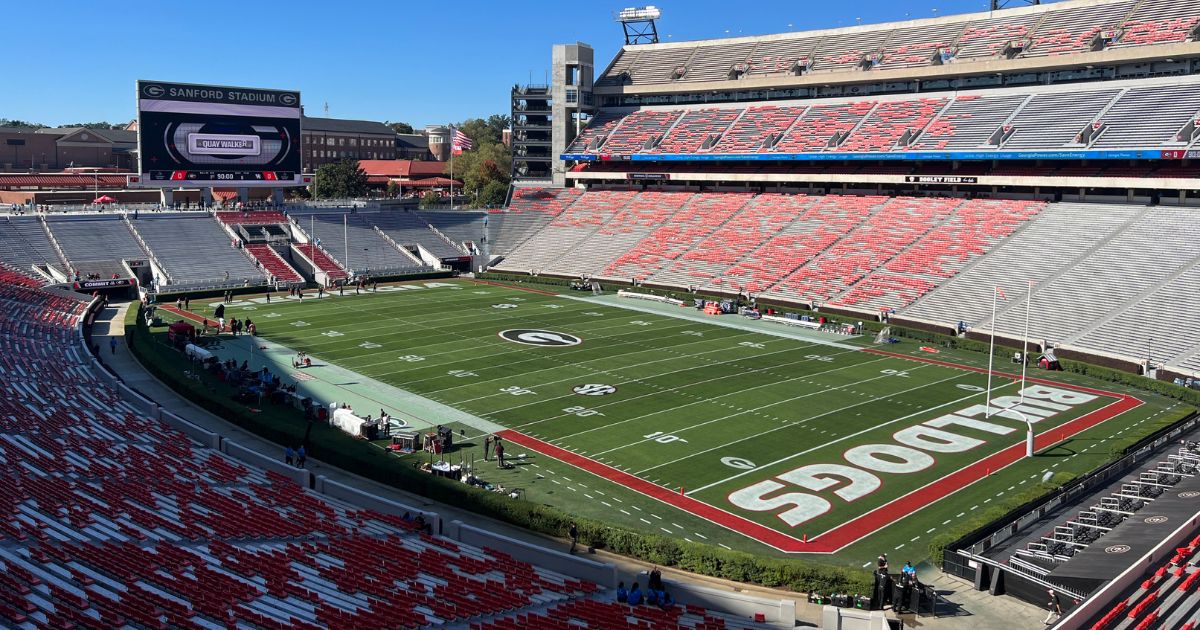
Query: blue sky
(418, 62)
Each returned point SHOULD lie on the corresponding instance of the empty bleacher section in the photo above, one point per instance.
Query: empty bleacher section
(195, 251)
(95, 243)
(321, 260)
(113, 520)
(628, 226)
(592, 614)
(566, 231)
(1010, 119)
(354, 241)
(24, 243)
(1053, 30)
(670, 241)
(1160, 22)
(1035, 255)
(461, 227)
(531, 209)
(409, 229)
(273, 263)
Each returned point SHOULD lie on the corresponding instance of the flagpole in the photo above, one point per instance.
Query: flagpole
(346, 240)
(452, 167)
(991, 357)
(1025, 341)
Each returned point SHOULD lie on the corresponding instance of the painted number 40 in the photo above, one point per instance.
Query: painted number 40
(664, 438)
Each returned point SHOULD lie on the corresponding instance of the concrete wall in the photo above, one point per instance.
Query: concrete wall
(575, 566)
(780, 612)
(367, 500)
(253, 458)
(834, 618)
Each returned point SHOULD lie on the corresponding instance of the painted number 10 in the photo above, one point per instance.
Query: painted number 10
(664, 438)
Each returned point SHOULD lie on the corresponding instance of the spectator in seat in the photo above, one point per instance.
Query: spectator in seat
(665, 601)
(622, 594)
(635, 595)
(651, 597)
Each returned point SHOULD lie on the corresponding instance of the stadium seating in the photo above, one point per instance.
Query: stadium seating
(1074, 29)
(566, 231)
(1018, 121)
(597, 130)
(460, 227)
(354, 236)
(985, 39)
(1034, 254)
(891, 123)
(406, 228)
(628, 226)
(112, 519)
(531, 209)
(1159, 22)
(975, 227)
(24, 243)
(251, 218)
(697, 130)
(968, 123)
(1055, 31)
(273, 263)
(748, 133)
(1174, 107)
(639, 129)
(194, 250)
(823, 126)
(795, 228)
(690, 226)
(1053, 120)
(90, 239)
(322, 260)
(895, 225)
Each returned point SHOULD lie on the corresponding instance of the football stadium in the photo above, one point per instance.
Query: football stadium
(879, 326)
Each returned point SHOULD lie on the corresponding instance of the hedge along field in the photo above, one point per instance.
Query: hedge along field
(720, 393)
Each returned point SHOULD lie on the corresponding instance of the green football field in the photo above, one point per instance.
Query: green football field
(747, 435)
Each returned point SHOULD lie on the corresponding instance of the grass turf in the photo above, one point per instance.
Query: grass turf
(694, 405)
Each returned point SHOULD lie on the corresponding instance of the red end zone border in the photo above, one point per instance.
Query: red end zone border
(865, 524)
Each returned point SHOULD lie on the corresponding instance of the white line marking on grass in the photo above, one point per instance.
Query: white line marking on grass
(572, 489)
(960, 515)
(606, 504)
(930, 530)
(899, 547)
(589, 496)
(677, 525)
(945, 522)
(637, 508)
(725, 546)
(625, 513)
(645, 521)
(555, 481)
(666, 530)
(657, 516)
(866, 565)
(916, 538)
(841, 439)
(699, 535)
(741, 391)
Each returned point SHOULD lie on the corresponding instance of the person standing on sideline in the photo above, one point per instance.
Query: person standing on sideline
(288, 456)
(1053, 608)
(268, 294)
(301, 456)
(573, 532)
(487, 447)
(112, 343)
(500, 452)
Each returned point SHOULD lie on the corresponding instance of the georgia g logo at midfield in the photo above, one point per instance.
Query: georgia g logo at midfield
(532, 337)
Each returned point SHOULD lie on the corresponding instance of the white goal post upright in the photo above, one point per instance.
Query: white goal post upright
(991, 356)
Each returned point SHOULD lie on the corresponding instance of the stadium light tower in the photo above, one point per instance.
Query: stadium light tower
(639, 24)
(1007, 4)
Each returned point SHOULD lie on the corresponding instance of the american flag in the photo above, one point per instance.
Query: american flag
(460, 142)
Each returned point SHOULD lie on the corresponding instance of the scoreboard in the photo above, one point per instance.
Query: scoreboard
(209, 135)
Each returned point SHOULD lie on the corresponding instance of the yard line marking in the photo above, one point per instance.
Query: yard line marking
(657, 516)
(960, 515)
(916, 538)
(589, 496)
(677, 525)
(945, 522)
(666, 530)
(625, 513)
(698, 534)
(899, 547)
(725, 546)
(606, 504)
(841, 439)
(707, 400)
(930, 531)
(644, 521)
(555, 481)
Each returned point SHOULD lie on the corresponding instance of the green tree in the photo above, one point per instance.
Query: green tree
(493, 194)
(339, 180)
(482, 166)
(97, 125)
(12, 122)
(393, 189)
(430, 200)
(400, 127)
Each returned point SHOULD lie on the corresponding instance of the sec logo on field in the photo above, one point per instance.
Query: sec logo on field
(594, 389)
(531, 337)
